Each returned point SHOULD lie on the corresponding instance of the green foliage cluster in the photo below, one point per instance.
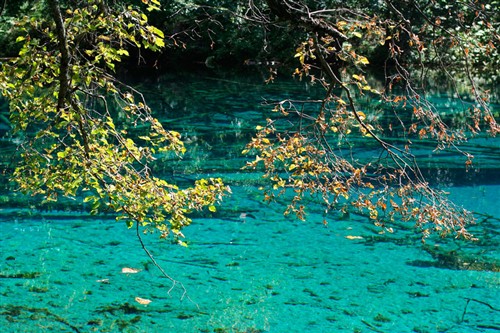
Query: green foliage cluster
(9, 29)
(459, 34)
(221, 33)
(228, 33)
(64, 110)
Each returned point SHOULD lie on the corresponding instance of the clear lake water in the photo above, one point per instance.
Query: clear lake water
(248, 268)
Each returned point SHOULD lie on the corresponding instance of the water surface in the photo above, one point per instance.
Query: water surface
(248, 268)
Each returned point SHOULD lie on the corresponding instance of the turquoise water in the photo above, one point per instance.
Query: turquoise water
(61, 270)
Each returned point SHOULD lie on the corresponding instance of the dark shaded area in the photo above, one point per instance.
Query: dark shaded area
(455, 260)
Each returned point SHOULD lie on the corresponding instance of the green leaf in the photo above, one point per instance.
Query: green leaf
(356, 77)
(123, 52)
(159, 42)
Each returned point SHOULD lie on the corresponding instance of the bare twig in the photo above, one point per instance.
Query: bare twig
(153, 260)
(468, 300)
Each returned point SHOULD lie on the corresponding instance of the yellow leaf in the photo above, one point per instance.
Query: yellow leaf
(363, 60)
(128, 270)
(212, 208)
(292, 167)
(143, 301)
(341, 24)
(353, 237)
(105, 38)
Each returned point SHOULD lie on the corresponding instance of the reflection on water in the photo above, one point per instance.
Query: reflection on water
(247, 267)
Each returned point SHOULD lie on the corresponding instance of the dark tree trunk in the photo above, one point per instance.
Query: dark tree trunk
(55, 12)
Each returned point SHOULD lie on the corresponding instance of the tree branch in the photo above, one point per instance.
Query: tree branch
(304, 18)
(3, 7)
(174, 282)
(55, 12)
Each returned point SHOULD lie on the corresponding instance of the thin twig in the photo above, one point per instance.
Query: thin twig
(3, 7)
(63, 49)
(174, 281)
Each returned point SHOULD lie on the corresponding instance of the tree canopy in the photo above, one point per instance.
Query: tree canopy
(84, 132)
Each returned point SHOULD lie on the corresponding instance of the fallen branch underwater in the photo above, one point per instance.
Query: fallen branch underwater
(480, 302)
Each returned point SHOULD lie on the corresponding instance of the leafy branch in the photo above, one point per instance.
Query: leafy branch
(65, 107)
(314, 152)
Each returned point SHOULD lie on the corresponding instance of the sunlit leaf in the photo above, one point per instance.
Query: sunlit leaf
(128, 270)
(362, 60)
(143, 301)
(353, 237)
